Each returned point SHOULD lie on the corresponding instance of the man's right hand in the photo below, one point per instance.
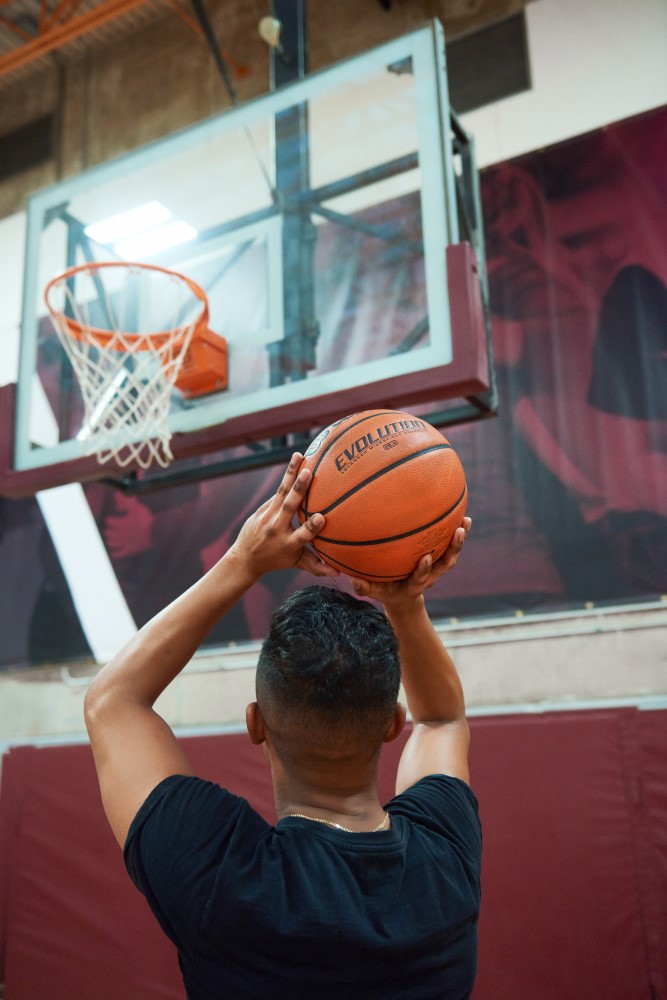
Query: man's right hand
(440, 737)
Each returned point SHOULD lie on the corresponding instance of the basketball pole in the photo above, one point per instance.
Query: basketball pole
(293, 356)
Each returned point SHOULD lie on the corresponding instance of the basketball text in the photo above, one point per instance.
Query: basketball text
(381, 435)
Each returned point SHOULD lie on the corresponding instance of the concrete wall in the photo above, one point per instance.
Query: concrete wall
(159, 77)
(592, 64)
(530, 664)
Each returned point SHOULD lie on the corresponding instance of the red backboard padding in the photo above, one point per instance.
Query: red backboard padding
(574, 807)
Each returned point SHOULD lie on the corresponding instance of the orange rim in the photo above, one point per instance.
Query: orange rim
(103, 337)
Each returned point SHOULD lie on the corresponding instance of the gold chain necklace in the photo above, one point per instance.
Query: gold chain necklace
(337, 826)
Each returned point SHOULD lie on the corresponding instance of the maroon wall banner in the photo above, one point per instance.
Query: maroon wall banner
(574, 877)
(568, 485)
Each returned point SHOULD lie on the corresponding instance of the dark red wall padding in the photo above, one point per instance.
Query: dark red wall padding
(574, 807)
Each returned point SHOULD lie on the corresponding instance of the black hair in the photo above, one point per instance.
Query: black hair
(331, 661)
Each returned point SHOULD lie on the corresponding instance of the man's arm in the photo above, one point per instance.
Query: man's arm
(440, 737)
(133, 747)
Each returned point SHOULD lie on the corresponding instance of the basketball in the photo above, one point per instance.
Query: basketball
(392, 489)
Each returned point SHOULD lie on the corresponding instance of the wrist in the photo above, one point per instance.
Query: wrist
(405, 609)
(239, 567)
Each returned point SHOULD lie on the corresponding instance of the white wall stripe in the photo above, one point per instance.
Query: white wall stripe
(103, 612)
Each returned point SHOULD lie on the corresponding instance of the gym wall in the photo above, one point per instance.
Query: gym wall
(574, 812)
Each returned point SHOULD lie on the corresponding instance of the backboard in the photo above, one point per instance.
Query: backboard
(324, 222)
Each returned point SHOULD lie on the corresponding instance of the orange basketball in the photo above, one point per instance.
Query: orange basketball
(392, 489)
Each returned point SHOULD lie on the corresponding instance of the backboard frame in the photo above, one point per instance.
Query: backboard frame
(463, 363)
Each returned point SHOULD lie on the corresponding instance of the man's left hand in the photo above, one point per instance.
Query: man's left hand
(267, 541)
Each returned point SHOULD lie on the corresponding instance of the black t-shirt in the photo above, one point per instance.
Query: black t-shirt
(300, 910)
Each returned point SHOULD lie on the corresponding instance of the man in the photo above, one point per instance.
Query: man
(343, 898)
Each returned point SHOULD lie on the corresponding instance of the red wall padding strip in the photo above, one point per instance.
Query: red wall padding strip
(651, 841)
(574, 807)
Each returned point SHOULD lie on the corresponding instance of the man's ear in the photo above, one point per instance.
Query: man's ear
(397, 726)
(254, 721)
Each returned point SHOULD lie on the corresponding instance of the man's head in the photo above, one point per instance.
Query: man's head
(328, 674)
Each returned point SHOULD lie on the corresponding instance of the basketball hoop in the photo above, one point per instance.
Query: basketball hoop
(134, 333)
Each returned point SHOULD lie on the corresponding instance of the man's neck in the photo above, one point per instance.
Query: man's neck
(350, 803)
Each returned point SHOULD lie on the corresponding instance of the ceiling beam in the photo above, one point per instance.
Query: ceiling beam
(53, 37)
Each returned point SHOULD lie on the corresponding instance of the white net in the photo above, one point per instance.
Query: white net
(126, 330)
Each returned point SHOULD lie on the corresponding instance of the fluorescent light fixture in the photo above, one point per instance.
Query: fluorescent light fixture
(134, 220)
(147, 244)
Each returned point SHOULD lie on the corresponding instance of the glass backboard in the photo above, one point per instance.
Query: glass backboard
(317, 219)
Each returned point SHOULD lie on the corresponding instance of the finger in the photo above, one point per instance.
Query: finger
(313, 564)
(292, 500)
(418, 580)
(459, 538)
(423, 569)
(466, 525)
(288, 479)
(307, 531)
(265, 505)
(448, 560)
(369, 588)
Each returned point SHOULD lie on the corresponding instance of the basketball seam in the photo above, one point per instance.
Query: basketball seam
(375, 413)
(391, 538)
(363, 576)
(381, 472)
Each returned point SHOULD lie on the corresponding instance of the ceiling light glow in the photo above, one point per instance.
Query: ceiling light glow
(134, 220)
(147, 244)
